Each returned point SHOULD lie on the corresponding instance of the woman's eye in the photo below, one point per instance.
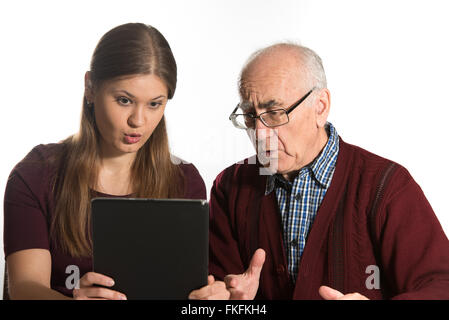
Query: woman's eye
(155, 104)
(124, 101)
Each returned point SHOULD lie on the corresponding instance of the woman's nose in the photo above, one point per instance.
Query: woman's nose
(137, 117)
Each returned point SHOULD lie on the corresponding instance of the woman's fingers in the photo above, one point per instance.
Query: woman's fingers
(97, 293)
(94, 286)
(92, 278)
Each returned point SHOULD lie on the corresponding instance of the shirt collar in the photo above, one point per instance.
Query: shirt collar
(322, 167)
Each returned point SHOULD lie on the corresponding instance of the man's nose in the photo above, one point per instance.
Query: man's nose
(266, 137)
(137, 117)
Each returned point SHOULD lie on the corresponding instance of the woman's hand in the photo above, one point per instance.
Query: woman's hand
(87, 290)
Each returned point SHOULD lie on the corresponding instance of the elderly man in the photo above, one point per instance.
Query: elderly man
(330, 220)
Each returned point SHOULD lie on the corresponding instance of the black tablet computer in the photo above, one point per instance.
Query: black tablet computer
(153, 249)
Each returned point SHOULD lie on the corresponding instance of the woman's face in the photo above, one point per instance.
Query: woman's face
(127, 110)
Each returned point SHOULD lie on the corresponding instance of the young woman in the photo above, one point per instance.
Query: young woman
(121, 150)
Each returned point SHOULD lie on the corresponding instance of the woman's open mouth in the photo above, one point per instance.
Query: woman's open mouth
(132, 138)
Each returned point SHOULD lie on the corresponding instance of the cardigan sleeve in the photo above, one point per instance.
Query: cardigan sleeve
(224, 254)
(413, 246)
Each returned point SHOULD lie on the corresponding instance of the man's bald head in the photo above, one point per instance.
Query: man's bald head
(301, 61)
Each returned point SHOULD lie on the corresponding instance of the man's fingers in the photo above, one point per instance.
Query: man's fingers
(201, 292)
(224, 296)
(216, 290)
(237, 294)
(231, 281)
(332, 294)
(256, 263)
(218, 295)
(353, 296)
(194, 295)
(329, 294)
(244, 286)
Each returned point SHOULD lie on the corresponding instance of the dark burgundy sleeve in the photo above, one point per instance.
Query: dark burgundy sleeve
(414, 247)
(224, 254)
(195, 187)
(25, 222)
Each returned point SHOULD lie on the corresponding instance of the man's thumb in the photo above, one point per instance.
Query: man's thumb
(256, 263)
(328, 293)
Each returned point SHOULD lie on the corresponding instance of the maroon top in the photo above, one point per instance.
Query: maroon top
(29, 205)
(399, 233)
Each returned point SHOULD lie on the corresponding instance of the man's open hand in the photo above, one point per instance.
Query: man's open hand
(244, 286)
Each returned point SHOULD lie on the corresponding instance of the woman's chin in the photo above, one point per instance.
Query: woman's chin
(128, 148)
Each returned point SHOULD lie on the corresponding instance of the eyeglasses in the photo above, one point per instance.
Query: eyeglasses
(271, 119)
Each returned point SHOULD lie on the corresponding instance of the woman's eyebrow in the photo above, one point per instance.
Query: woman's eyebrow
(161, 96)
(126, 92)
(132, 96)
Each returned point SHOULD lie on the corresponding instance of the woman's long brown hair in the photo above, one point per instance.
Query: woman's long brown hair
(128, 49)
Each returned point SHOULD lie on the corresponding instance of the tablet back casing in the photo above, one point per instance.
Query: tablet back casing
(153, 249)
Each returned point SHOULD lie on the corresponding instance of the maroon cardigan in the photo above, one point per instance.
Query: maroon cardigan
(29, 206)
(373, 213)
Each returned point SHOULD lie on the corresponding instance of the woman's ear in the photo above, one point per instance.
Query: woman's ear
(88, 88)
(323, 103)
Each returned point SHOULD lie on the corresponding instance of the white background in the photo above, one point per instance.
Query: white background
(386, 63)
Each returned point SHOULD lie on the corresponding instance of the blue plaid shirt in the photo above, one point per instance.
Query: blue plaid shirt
(299, 201)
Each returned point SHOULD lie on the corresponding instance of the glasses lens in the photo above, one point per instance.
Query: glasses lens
(274, 118)
(242, 121)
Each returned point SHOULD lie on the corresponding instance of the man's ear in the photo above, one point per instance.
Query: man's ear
(88, 88)
(322, 105)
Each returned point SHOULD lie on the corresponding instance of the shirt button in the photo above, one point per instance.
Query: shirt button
(280, 269)
(298, 196)
(294, 242)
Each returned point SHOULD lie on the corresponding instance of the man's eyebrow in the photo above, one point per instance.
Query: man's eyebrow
(269, 104)
(246, 105)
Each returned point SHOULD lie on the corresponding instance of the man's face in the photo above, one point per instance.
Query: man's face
(268, 86)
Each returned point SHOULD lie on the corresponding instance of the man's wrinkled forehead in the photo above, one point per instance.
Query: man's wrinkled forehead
(263, 92)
